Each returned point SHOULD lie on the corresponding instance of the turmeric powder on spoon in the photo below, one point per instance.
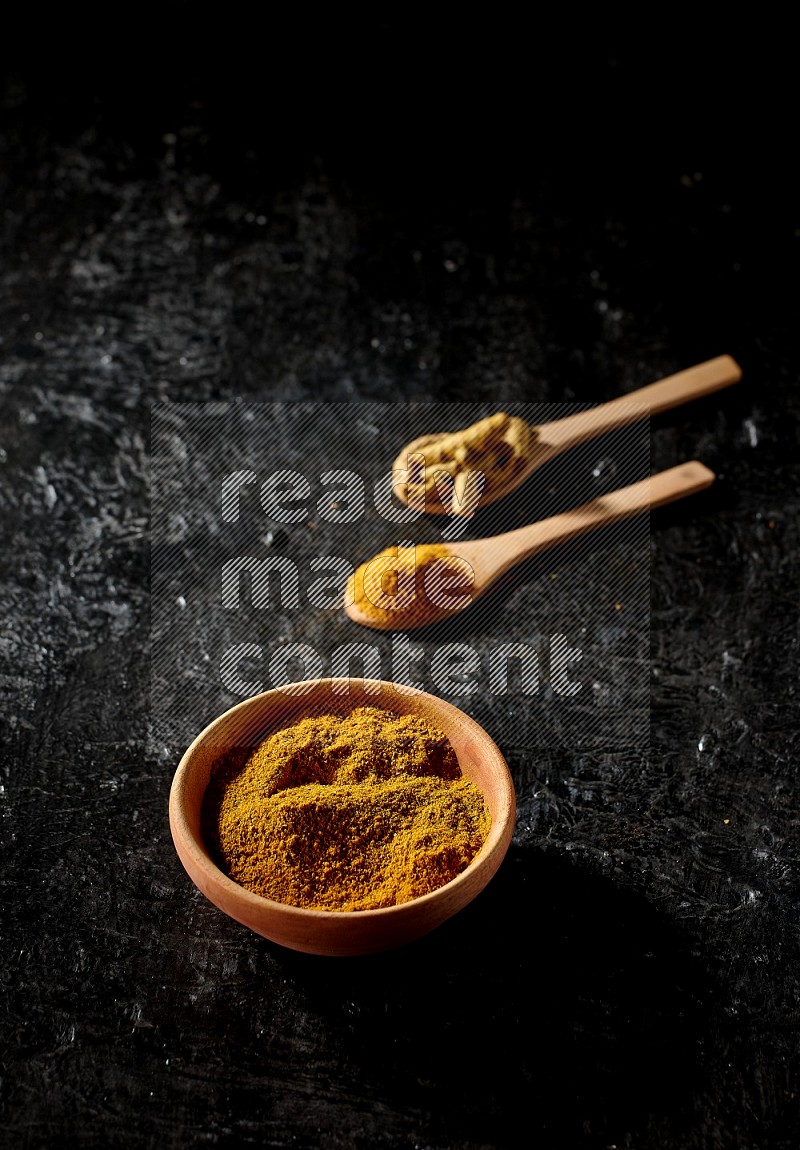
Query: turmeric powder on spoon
(411, 586)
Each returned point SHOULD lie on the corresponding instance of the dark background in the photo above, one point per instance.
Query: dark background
(221, 206)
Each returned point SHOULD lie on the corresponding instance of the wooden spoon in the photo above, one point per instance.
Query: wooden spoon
(490, 558)
(557, 436)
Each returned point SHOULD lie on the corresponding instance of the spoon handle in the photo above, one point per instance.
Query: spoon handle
(625, 503)
(693, 383)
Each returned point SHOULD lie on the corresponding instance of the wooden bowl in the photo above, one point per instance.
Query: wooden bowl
(338, 932)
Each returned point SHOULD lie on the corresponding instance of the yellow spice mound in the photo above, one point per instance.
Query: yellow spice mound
(345, 812)
(411, 586)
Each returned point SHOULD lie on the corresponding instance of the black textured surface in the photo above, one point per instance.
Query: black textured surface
(362, 212)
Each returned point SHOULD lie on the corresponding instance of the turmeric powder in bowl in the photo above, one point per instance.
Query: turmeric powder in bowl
(345, 812)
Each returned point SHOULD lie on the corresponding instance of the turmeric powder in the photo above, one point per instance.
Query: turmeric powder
(411, 586)
(345, 812)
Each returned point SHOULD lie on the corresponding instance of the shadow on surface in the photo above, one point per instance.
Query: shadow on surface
(555, 1005)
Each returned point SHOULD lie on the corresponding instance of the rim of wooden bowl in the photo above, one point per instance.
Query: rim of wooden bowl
(327, 932)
